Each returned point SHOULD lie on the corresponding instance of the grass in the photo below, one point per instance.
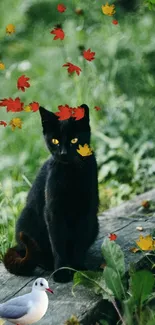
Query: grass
(121, 80)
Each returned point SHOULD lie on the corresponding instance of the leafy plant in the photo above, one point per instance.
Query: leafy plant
(133, 296)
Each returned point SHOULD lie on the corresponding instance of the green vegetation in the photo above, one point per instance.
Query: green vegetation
(131, 299)
(121, 80)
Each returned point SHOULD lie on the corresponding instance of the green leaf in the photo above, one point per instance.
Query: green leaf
(103, 322)
(93, 280)
(89, 279)
(113, 282)
(114, 256)
(141, 286)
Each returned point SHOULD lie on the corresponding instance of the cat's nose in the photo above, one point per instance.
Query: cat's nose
(63, 152)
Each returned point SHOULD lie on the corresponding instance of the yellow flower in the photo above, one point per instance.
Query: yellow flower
(146, 243)
(10, 29)
(27, 108)
(2, 66)
(16, 122)
(85, 150)
(108, 9)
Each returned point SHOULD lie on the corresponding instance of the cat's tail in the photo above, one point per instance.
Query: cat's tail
(22, 261)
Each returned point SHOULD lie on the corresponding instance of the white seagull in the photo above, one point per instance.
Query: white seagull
(29, 308)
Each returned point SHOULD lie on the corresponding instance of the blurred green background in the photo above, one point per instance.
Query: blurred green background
(121, 80)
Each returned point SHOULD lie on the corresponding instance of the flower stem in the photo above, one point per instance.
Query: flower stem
(118, 312)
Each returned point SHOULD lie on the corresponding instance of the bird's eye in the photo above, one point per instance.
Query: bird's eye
(41, 284)
(55, 141)
(74, 140)
(36, 284)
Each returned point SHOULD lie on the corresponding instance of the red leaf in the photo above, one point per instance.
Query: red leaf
(65, 112)
(115, 22)
(13, 105)
(97, 108)
(112, 237)
(78, 113)
(61, 8)
(3, 123)
(59, 33)
(88, 55)
(145, 204)
(34, 106)
(72, 68)
(22, 82)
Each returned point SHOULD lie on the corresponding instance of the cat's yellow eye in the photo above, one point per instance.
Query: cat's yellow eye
(55, 141)
(74, 140)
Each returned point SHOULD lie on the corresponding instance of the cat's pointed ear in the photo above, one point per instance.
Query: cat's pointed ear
(48, 119)
(86, 109)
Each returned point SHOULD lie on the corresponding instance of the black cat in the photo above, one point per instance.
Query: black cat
(59, 222)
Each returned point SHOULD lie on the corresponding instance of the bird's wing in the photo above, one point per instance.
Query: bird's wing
(15, 307)
(12, 311)
(19, 301)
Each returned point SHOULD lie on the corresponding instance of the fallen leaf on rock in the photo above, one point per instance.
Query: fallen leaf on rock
(145, 204)
(146, 243)
(72, 321)
(139, 228)
(112, 236)
(134, 249)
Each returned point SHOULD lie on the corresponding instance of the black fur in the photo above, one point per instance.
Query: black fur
(60, 215)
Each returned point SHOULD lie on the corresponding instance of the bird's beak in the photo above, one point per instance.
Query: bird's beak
(48, 289)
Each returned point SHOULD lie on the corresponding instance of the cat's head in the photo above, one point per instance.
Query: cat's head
(63, 137)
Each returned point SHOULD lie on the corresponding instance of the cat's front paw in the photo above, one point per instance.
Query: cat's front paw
(63, 276)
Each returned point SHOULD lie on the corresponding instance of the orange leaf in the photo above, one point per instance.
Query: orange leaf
(112, 236)
(34, 106)
(65, 112)
(72, 68)
(3, 123)
(22, 82)
(78, 113)
(115, 22)
(58, 32)
(145, 204)
(88, 55)
(61, 8)
(97, 108)
(13, 105)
